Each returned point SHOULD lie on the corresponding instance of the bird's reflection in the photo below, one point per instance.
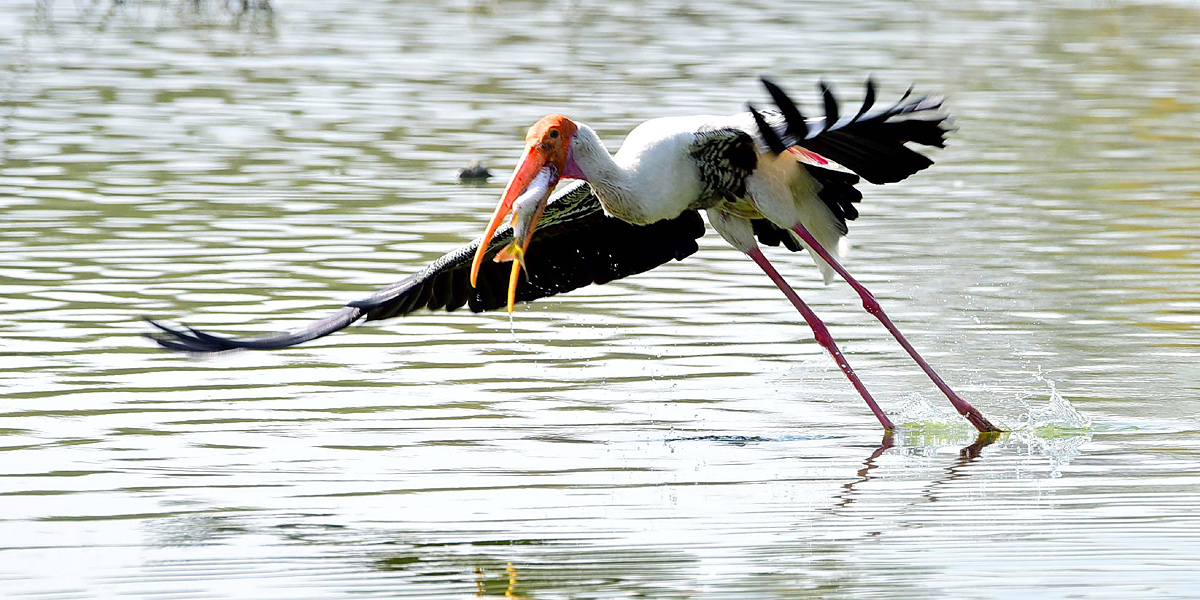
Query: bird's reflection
(958, 469)
(954, 471)
(983, 440)
(846, 497)
(485, 587)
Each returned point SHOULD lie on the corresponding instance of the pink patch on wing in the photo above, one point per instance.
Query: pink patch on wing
(805, 154)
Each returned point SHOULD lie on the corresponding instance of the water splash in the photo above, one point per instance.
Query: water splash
(1056, 417)
(918, 411)
(512, 332)
(1053, 428)
(1060, 448)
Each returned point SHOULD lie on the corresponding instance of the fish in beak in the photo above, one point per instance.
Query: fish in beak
(547, 152)
(526, 211)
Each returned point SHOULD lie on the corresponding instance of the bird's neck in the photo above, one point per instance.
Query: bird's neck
(612, 182)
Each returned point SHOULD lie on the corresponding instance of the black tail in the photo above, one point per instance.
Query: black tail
(869, 143)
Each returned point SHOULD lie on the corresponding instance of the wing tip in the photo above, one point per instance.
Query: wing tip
(192, 341)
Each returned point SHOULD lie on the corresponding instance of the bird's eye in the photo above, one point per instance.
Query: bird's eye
(553, 134)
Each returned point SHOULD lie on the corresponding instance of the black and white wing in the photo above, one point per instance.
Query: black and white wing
(869, 143)
(577, 245)
(725, 158)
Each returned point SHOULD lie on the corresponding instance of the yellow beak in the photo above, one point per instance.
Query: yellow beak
(527, 193)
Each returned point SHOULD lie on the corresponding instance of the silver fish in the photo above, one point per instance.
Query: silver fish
(527, 209)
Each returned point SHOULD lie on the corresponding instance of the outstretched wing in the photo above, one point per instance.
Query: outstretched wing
(868, 143)
(575, 245)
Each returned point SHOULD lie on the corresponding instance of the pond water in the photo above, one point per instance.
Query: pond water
(673, 435)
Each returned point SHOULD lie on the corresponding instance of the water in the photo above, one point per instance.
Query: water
(673, 435)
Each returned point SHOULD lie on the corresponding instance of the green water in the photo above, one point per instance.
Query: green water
(673, 435)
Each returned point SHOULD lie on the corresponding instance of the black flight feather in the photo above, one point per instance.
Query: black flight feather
(574, 245)
(872, 143)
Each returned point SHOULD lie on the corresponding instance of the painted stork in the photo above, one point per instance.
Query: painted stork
(769, 176)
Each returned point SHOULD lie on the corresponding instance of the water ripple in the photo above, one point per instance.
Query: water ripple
(676, 434)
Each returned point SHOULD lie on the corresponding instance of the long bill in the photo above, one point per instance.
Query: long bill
(527, 192)
(524, 173)
(527, 211)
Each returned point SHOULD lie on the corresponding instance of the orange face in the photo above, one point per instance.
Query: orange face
(550, 139)
(548, 142)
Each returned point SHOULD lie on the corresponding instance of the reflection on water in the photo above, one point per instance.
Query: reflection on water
(676, 434)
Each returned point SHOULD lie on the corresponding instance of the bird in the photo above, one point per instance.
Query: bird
(771, 176)
(476, 172)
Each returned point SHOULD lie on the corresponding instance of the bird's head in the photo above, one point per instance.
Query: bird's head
(547, 159)
(547, 142)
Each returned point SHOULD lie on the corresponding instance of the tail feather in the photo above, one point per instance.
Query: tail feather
(871, 143)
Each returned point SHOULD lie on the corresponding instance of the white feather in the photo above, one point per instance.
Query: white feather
(654, 177)
(787, 195)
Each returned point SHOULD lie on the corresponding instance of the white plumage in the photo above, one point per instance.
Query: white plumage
(772, 177)
(654, 176)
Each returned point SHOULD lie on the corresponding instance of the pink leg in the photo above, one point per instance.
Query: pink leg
(822, 334)
(872, 306)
